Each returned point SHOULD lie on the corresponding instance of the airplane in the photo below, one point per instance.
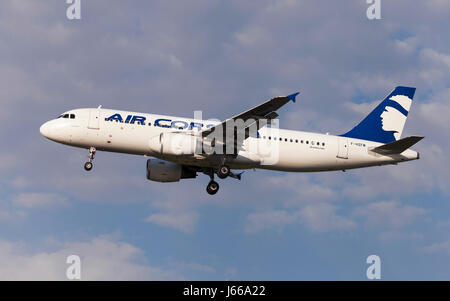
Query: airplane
(180, 148)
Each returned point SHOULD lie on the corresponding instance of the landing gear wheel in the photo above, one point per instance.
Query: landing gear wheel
(88, 166)
(212, 187)
(223, 171)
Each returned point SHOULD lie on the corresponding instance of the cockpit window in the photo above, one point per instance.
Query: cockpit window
(71, 116)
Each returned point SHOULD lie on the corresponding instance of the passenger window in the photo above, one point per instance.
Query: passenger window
(296, 141)
(323, 144)
(281, 139)
(291, 140)
(307, 142)
(301, 141)
(270, 138)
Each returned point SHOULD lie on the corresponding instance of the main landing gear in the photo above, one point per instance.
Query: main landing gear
(212, 186)
(223, 171)
(88, 165)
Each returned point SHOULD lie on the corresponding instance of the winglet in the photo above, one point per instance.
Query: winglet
(292, 96)
(239, 175)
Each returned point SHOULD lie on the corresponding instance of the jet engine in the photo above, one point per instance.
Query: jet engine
(165, 171)
(175, 144)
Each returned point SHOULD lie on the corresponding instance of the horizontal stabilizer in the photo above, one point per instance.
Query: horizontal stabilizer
(397, 147)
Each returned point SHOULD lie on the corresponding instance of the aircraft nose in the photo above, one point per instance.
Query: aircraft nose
(45, 130)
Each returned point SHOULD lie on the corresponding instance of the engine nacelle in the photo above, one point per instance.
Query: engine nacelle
(174, 144)
(165, 171)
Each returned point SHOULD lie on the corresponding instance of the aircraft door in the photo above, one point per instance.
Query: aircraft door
(94, 119)
(342, 148)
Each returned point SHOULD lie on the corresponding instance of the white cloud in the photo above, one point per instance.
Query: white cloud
(388, 181)
(102, 258)
(305, 188)
(322, 217)
(193, 266)
(442, 247)
(7, 161)
(388, 214)
(252, 37)
(407, 46)
(318, 217)
(434, 113)
(443, 223)
(396, 235)
(38, 200)
(183, 221)
(437, 58)
(269, 219)
(361, 109)
(10, 215)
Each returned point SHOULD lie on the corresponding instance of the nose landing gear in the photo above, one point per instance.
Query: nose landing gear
(88, 165)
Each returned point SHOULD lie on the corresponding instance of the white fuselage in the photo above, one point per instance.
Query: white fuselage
(296, 151)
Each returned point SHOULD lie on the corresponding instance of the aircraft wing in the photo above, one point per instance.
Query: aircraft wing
(261, 115)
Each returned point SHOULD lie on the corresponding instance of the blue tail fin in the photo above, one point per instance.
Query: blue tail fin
(385, 123)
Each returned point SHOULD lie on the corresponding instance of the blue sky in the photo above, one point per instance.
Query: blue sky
(222, 57)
